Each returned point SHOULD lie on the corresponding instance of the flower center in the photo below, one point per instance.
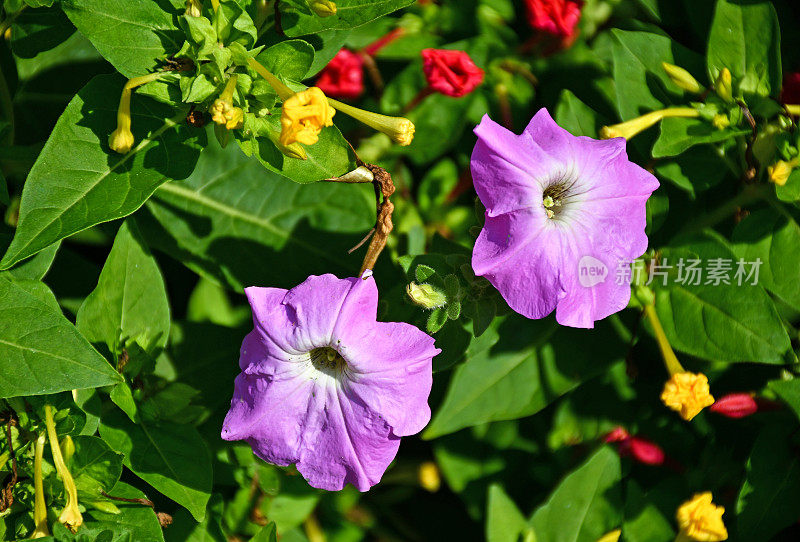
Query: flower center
(328, 360)
(555, 196)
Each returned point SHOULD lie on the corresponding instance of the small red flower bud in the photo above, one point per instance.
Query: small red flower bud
(735, 405)
(343, 77)
(643, 451)
(790, 93)
(555, 17)
(451, 72)
(618, 434)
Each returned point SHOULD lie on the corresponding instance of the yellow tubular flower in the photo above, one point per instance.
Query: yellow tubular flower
(793, 110)
(632, 127)
(304, 115)
(780, 171)
(701, 520)
(611, 536)
(222, 110)
(39, 504)
(322, 8)
(399, 129)
(71, 515)
(724, 85)
(682, 78)
(121, 140)
(687, 394)
(429, 477)
(721, 122)
(194, 8)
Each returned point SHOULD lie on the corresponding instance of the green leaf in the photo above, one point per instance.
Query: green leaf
(504, 521)
(4, 199)
(41, 352)
(585, 505)
(745, 38)
(34, 268)
(139, 521)
(172, 458)
(130, 301)
(731, 323)
(77, 182)
(679, 134)
(95, 466)
(291, 59)
(268, 533)
(789, 392)
(185, 529)
(518, 368)
(436, 320)
(575, 116)
(641, 84)
(774, 238)
(695, 170)
(771, 488)
(297, 19)
(134, 36)
(243, 226)
(35, 31)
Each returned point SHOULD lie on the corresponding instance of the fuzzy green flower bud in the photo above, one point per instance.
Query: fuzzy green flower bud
(322, 8)
(724, 85)
(425, 295)
(682, 78)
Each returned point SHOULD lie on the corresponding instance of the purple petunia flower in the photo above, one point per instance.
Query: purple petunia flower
(326, 386)
(563, 214)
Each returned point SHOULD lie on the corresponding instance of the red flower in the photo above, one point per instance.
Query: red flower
(450, 72)
(790, 93)
(641, 450)
(735, 405)
(343, 77)
(556, 17)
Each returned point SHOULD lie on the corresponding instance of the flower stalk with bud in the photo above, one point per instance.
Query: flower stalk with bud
(121, 140)
(71, 515)
(633, 127)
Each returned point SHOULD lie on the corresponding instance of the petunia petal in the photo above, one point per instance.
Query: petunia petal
(391, 372)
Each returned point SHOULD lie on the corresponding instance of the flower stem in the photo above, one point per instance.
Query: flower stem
(670, 359)
(39, 504)
(284, 92)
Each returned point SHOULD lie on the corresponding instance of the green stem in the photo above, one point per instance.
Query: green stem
(670, 359)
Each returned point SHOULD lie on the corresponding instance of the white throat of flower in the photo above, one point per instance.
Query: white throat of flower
(560, 194)
(328, 362)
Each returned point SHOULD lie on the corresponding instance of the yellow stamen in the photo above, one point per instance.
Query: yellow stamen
(303, 117)
(701, 520)
(631, 128)
(39, 504)
(682, 78)
(687, 394)
(71, 515)
(399, 129)
(121, 140)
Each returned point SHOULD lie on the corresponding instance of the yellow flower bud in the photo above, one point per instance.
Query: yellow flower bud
(67, 448)
(223, 111)
(724, 85)
(682, 78)
(687, 393)
(611, 536)
(780, 171)
(633, 127)
(426, 296)
(429, 477)
(39, 504)
(399, 129)
(295, 150)
(322, 8)
(71, 515)
(121, 140)
(194, 8)
(721, 121)
(303, 117)
(700, 519)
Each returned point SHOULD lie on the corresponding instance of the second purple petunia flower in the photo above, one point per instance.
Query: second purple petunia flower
(562, 214)
(326, 386)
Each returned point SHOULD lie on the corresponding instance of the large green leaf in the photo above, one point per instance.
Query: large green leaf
(745, 38)
(518, 367)
(172, 458)
(245, 226)
(41, 352)
(77, 182)
(725, 322)
(678, 135)
(641, 84)
(133, 36)
(130, 300)
(297, 19)
(584, 506)
(768, 498)
(774, 238)
(504, 521)
(575, 116)
(95, 466)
